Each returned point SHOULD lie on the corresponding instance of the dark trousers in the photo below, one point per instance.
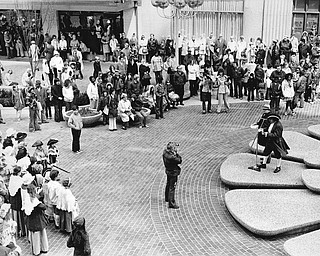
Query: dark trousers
(75, 139)
(204, 105)
(58, 112)
(250, 95)
(238, 89)
(193, 90)
(48, 109)
(180, 92)
(158, 74)
(170, 189)
(231, 88)
(274, 104)
(63, 54)
(159, 106)
(68, 105)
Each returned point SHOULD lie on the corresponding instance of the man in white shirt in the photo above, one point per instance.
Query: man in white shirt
(92, 92)
(56, 64)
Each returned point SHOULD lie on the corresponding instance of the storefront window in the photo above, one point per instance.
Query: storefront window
(299, 5)
(313, 5)
(306, 16)
(298, 20)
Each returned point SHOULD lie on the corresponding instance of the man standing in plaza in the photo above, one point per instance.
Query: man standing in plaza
(41, 97)
(171, 160)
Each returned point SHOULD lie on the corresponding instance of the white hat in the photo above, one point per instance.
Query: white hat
(10, 132)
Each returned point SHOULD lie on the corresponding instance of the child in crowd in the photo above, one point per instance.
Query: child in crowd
(53, 151)
(40, 154)
(251, 85)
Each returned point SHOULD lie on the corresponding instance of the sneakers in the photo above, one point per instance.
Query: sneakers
(79, 151)
(146, 126)
(174, 206)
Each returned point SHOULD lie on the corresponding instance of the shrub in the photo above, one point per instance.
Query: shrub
(6, 96)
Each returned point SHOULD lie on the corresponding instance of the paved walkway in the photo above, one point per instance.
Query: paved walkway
(119, 181)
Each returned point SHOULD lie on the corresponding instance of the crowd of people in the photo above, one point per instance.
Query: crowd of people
(32, 196)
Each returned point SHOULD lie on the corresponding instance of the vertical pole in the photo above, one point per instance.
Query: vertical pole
(263, 12)
(175, 31)
(135, 7)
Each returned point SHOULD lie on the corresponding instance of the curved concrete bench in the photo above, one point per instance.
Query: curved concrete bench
(312, 159)
(234, 172)
(300, 145)
(311, 178)
(270, 212)
(305, 245)
(314, 130)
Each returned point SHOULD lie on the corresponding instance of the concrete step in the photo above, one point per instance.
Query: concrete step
(234, 172)
(271, 212)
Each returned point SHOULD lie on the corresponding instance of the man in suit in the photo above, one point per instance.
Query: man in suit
(41, 94)
(275, 142)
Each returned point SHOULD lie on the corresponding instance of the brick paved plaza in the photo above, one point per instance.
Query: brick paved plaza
(119, 182)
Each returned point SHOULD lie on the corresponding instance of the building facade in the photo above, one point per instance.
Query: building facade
(267, 19)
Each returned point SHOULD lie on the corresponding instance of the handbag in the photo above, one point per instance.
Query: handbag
(106, 110)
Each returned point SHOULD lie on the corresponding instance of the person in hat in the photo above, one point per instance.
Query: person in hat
(53, 151)
(9, 140)
(76, 124)
(40, 154)
(67, 205)
(31, 101)
(275, 142)
(288, 93)
(79, 238)
(41, 93)
(56, 65)
(171, 160)
(36, 222)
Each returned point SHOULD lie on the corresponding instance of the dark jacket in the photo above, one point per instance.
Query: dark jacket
(171, 162)
(56, 91)
(82, 248)
(275, 141)
(37, 221)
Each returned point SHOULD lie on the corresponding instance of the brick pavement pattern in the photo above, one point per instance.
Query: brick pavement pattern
(119, 182)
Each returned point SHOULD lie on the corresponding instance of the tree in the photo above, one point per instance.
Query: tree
(26, 21)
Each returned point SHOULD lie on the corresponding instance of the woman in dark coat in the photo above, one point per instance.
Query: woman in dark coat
(36, 222)
(275, 142)
(79, 238)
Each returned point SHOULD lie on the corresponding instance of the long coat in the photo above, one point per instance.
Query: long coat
(275, 141)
